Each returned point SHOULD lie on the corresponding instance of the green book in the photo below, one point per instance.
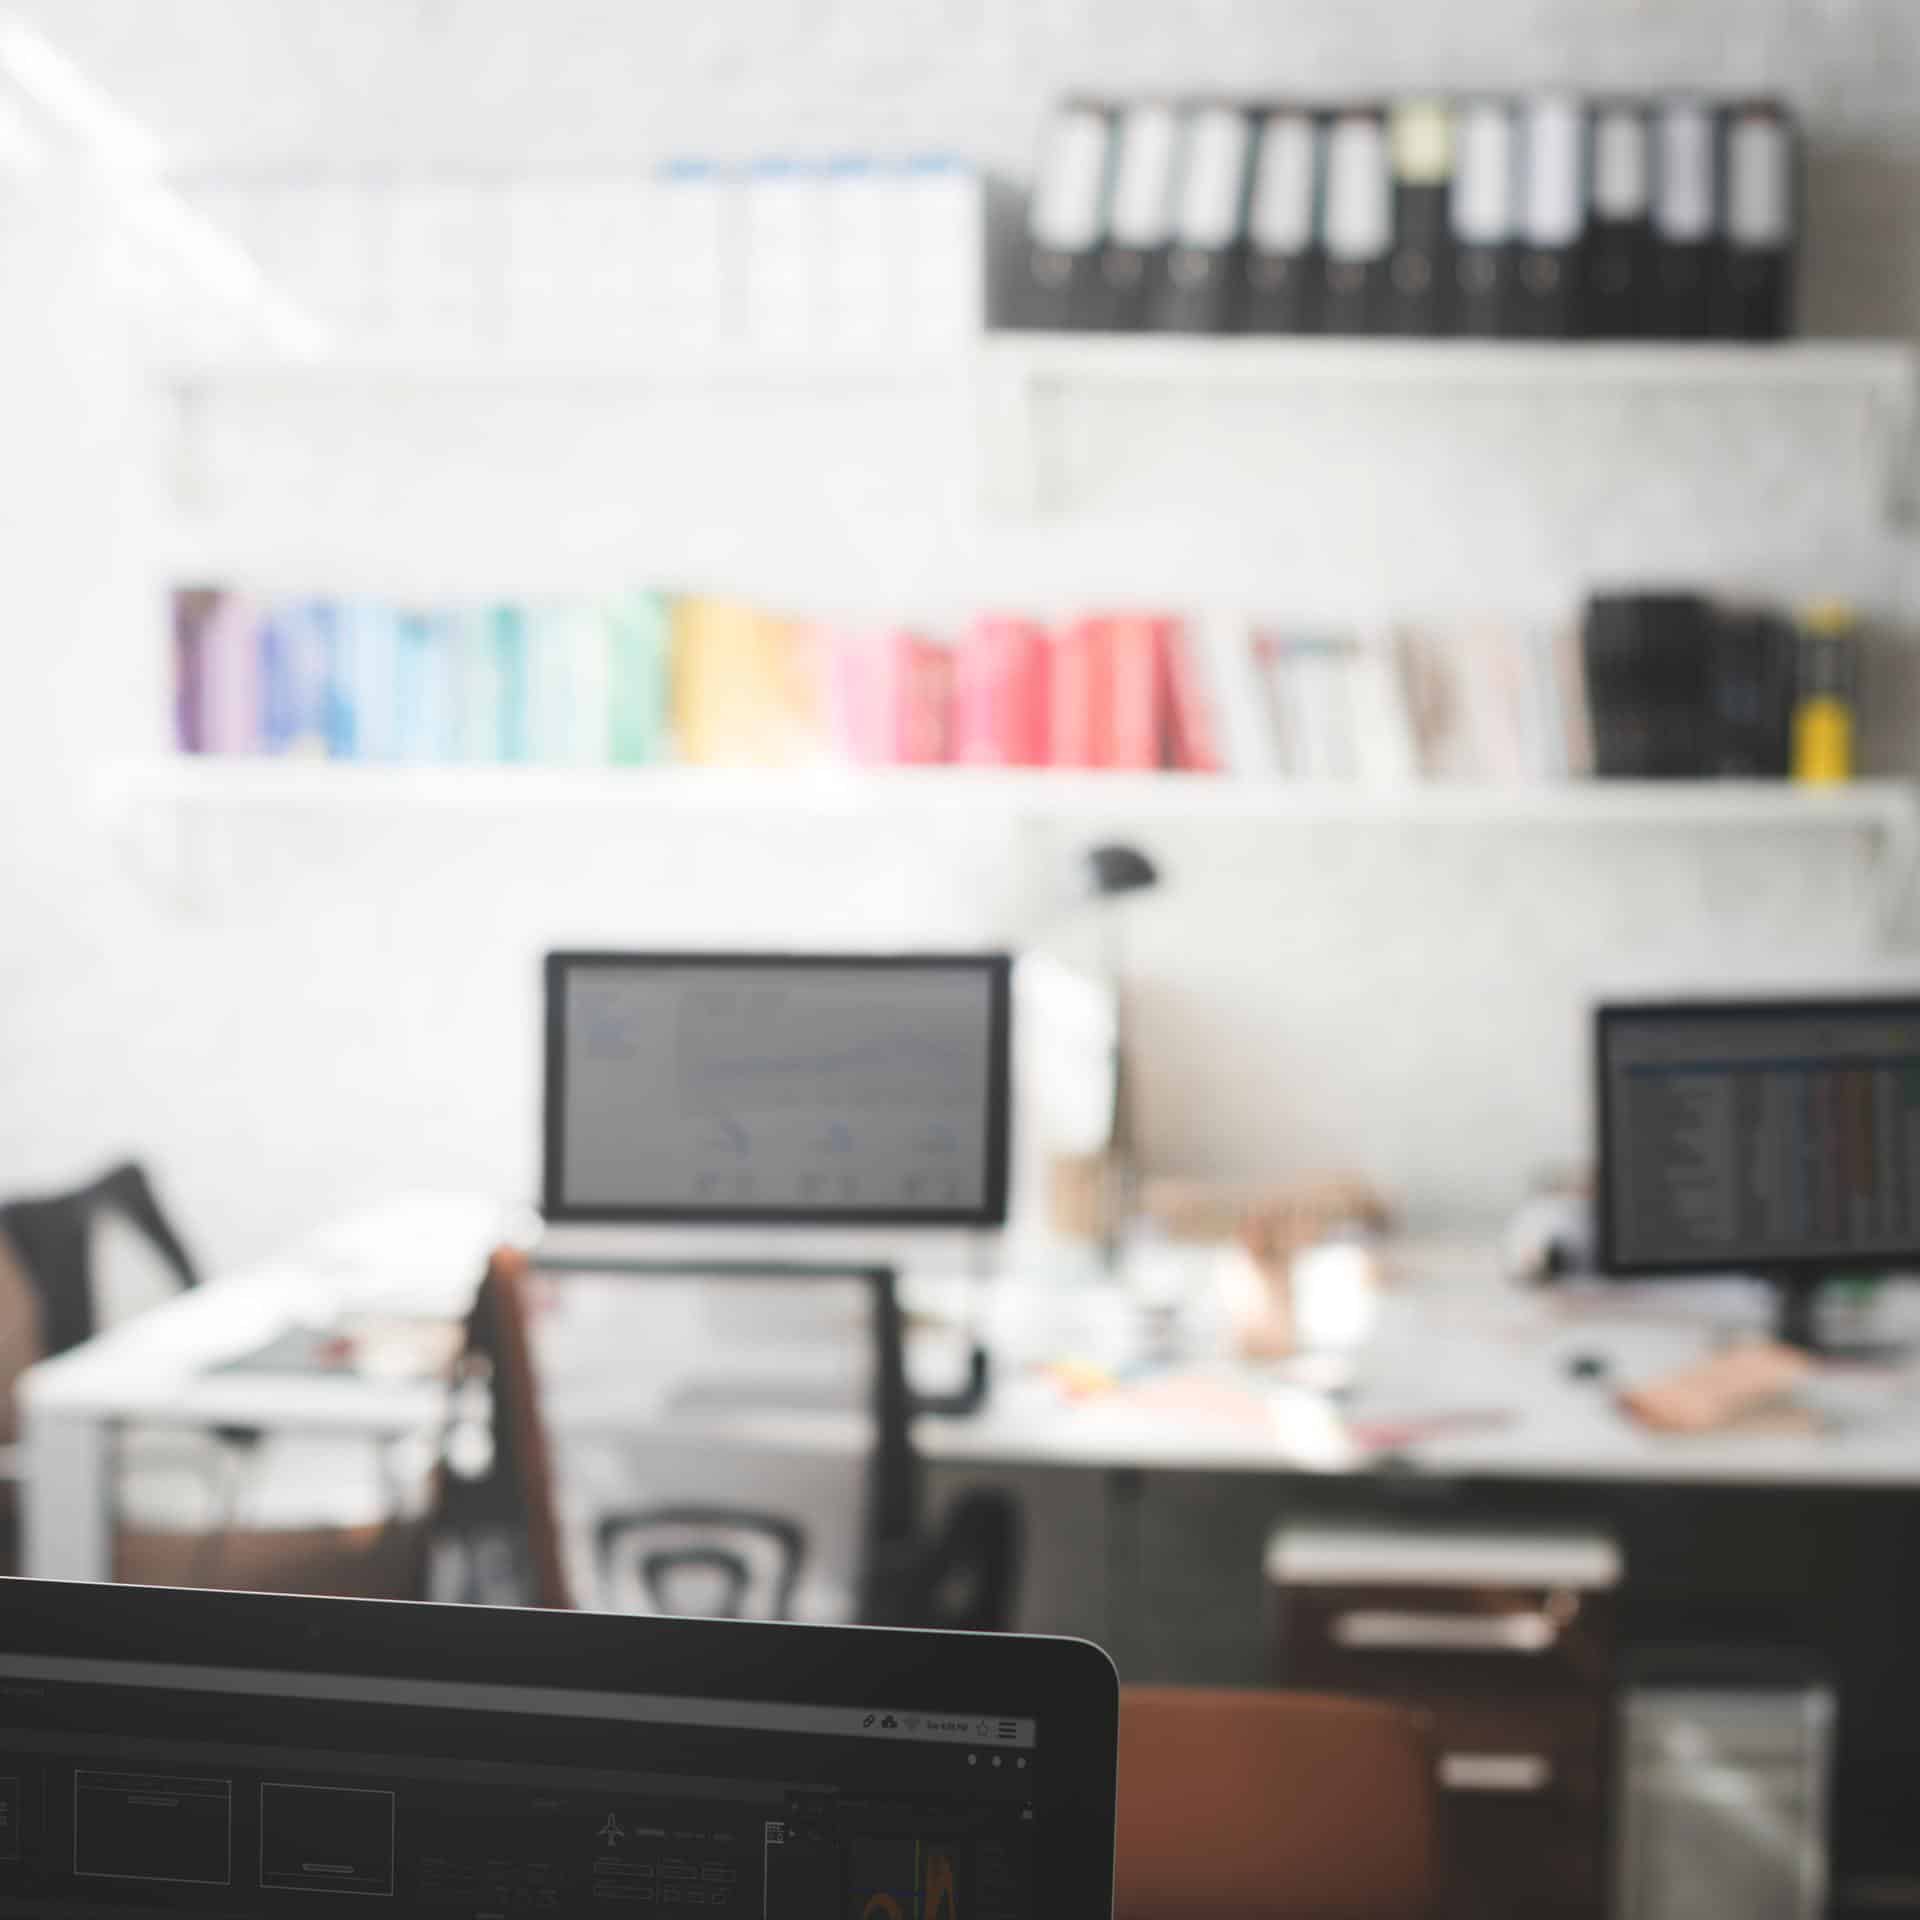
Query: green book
(637, 679)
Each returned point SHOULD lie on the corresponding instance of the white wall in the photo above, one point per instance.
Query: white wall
(353, 1007)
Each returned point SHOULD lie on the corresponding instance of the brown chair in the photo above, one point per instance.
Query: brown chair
(1273, 1806)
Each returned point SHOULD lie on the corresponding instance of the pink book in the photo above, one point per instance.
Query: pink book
(924, 715)
(1000, 694)
(230, 714)
(889, 694)
(858, 703)
(1137, 669)
(1077, 711)
(1193, 730)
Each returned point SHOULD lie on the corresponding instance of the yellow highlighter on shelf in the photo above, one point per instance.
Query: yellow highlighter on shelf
(1823, 708)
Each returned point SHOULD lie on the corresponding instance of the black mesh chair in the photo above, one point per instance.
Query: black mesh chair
(719, 1558)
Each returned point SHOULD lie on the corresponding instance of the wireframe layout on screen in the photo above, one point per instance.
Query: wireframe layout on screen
(731, 1087)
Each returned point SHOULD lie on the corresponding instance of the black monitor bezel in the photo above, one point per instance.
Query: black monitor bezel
(1069, 1687)
(990, 1213)
(1807, 1267)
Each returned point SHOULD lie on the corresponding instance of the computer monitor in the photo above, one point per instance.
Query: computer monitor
(171, 1752)
(735, 1089)
(1775, 1137)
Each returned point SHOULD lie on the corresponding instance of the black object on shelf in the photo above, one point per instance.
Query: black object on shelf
(1357, 230)
(1200, 292)
(1619, 247)
(1484, 218)
(1552, 218)
(1057, 285)
(1649, 661)
(1283, 267)
(1685, 222)
(1752, 686)
(1754, 291)
(1419, 267)
(1139, 224)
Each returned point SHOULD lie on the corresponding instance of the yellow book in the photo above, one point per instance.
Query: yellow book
(746, 687)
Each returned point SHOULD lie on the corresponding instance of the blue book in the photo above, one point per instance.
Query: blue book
(422, 692)
(338, 718)
(368, 664)
(279, 719)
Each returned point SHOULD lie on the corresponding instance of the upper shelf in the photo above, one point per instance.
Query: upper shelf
(1013, 377)
(1277, 359)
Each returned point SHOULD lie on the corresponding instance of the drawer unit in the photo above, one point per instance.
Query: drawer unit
(1507, 1642)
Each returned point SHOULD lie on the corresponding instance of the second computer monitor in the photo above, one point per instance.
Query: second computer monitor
(1770, 1136)
(732, 1089)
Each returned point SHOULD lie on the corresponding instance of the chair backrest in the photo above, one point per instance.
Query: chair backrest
(504, 1313)
(52, 1237)
(1274, 1806)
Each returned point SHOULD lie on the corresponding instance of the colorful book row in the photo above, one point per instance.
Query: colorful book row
(642, 678)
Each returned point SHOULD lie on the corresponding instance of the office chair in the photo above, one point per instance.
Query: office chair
(502, 1531)
(53, 1297)
(1274, 1806)
(52, 1236)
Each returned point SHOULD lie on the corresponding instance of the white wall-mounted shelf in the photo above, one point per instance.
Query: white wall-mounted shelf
(243, 784)
(1028, 376)
(166, 791)
(1018, 381)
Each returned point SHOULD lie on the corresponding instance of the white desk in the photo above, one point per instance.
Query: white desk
(423, 1253)
(1449, 1340)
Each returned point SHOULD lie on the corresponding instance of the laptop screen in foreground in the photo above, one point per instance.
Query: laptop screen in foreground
(136, 1788)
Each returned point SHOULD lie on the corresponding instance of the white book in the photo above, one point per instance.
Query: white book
(1281, 704)
(1242, 701)
(1321, 670)
(1550, 759)
(1385, 753)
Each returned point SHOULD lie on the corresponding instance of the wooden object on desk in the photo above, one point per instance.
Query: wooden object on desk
(1507, 1641)
(1239, 1804)
(1734, 1388)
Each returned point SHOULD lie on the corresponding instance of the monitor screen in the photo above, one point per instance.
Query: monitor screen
(1778, 1135)
(854, 1089)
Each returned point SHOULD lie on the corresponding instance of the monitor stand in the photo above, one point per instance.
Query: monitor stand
(1797, 1321)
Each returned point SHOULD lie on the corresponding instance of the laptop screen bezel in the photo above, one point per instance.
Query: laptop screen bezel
(1068, 1687)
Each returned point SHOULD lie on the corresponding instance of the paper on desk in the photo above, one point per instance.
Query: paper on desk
(1300, 1427)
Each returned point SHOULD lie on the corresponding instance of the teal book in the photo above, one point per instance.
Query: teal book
(549, 654)
(567, 659)
(507, 634)
(474, 670)
(637, 684)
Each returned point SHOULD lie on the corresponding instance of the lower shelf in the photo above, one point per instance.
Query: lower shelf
(1890, 806)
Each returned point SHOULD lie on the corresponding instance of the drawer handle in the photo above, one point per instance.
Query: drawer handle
(1495, 1772)
(1382, 1632)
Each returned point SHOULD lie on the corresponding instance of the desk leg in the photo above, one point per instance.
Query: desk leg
(66, 1487)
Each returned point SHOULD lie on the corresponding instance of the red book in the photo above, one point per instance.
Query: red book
(923, 729)
(1193, 736)
(1078, 715)
(1137, 675)
(1000, 697)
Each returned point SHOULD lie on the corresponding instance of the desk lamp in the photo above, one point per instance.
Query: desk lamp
(1109, 874)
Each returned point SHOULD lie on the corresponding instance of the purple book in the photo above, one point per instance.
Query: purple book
(192, 608)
